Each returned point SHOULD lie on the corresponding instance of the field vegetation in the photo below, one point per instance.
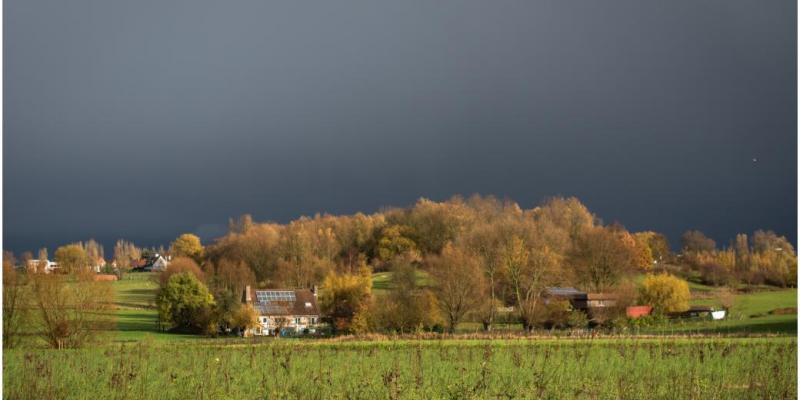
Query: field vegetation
(664, 368)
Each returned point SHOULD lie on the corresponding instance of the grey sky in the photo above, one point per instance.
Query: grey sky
(145, 119)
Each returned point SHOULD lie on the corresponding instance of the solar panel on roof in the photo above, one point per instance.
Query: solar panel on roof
(264, 296)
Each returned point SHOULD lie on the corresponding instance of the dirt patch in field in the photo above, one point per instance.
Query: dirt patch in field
(784, 311)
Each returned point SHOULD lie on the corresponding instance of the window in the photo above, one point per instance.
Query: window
(264, 319)
(308, 305)
(297, 320)
(313, 320)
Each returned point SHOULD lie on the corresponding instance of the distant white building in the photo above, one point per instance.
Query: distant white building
(159, 264)
(38, 266)
(156, 263)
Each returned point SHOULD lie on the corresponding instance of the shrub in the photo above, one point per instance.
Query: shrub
(555, 314)
(577, 319)
(665, 293)
(185, 304)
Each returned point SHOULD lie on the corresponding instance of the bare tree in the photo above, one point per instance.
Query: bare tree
(73, 309)
(602, 258)
(529, 271)
(124, 253)
(459, 283)
(14, 311)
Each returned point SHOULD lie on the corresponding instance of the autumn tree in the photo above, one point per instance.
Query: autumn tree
(356, 235)
(640, 251)
(695, 242)
(24, 259)
(345, 298)
(656, 242)
(125, 253)
(187, 245)
(486, 241)
(459, 283)
(73, 310)
(529, 269)
(245, 318)
(180, 265)
(258, 248)
(433, 224)
(94, 251)
(72, 258)
(742, 248)
(407, 306)
(569, 214)
(484, 244)
(774, 259)
(240, 225)
(230, 275)
(229, 312)
(602, 257)
(299, 264)
(41, 261)
(665, 293)
(227, 281)
(765, 241)
(394, 241)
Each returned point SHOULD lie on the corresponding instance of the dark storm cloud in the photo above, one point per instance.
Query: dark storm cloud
(145, 119)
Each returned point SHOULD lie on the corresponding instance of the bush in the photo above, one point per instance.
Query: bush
(665, 293)
(577, 319)
(555, 314)
(185, 304)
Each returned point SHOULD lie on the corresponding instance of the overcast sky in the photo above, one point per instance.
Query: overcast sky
(145, 119)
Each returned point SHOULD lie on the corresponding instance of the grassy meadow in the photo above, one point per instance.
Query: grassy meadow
(660, 368)
(663, 362)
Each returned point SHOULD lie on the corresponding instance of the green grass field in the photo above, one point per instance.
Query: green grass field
(381, 281)
(136, 314)
(663, 368)
(751, 314)
(142, 363)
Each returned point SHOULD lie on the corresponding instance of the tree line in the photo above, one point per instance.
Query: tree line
(477, 258)
(469, 259)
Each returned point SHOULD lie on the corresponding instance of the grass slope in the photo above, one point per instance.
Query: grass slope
(136, 314)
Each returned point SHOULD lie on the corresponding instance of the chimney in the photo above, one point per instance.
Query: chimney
(248, 297)
(314, 290)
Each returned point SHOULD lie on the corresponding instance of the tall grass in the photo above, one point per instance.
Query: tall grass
(411, 369)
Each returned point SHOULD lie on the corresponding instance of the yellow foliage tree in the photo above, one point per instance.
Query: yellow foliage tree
(245, 317)
(72, 258)
(345, 298)
(187, 245)
(665, 293)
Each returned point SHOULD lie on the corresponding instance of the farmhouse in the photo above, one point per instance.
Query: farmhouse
(45, 266)
(283, 311)
(155, 263)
